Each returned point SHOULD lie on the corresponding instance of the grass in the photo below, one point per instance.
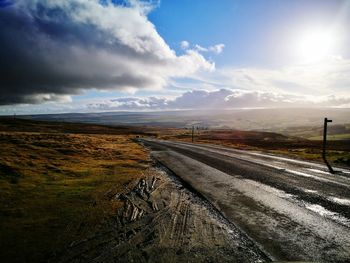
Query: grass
(332, 137)
(53, 183)
(341, 158)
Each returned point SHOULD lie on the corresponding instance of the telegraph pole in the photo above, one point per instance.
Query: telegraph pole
(192, 132)
(325, 144)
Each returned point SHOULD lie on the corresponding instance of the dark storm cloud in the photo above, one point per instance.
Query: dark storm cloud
(52, 48)
(4, 3)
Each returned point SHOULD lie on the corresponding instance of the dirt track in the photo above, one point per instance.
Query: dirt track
(164, 223)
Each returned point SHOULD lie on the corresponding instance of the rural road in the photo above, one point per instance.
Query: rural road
(293, 210)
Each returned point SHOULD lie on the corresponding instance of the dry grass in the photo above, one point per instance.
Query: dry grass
(53, 185)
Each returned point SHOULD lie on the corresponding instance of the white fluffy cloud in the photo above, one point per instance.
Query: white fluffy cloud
(184, 44)
(217, 49)
(220, 99)
(52, 48)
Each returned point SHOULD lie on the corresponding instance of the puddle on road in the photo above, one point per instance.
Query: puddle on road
(313, 207)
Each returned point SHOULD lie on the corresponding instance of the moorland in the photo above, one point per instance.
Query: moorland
(68, 189)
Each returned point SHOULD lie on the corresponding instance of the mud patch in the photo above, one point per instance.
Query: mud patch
(163, 221)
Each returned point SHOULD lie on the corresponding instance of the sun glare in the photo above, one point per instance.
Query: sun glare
(315, 45)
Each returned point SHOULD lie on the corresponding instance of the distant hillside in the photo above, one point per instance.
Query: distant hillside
(276, 120)
(334, 132)
(293, 141)
(26, 125)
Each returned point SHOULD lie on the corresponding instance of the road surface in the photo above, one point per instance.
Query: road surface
(293, 210)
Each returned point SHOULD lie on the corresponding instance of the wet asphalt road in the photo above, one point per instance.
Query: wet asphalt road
(293, 210)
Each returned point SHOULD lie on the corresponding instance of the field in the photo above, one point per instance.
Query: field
(333, 137)
(54, 179)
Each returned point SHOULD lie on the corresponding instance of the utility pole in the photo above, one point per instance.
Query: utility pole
(192, 132)
(325, 144)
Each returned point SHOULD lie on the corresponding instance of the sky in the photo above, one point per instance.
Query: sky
(102, 55)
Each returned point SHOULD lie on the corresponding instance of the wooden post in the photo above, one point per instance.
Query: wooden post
(325, 145)
(192, 132)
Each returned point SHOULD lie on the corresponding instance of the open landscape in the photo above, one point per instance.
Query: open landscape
(162, 131)
(73, 192)
(284, 131)
(86, 192)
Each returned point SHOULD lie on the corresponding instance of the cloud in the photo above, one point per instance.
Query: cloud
(217, 49)
(51, 49)
(184, 44)
(330, 76)
(220, 99)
